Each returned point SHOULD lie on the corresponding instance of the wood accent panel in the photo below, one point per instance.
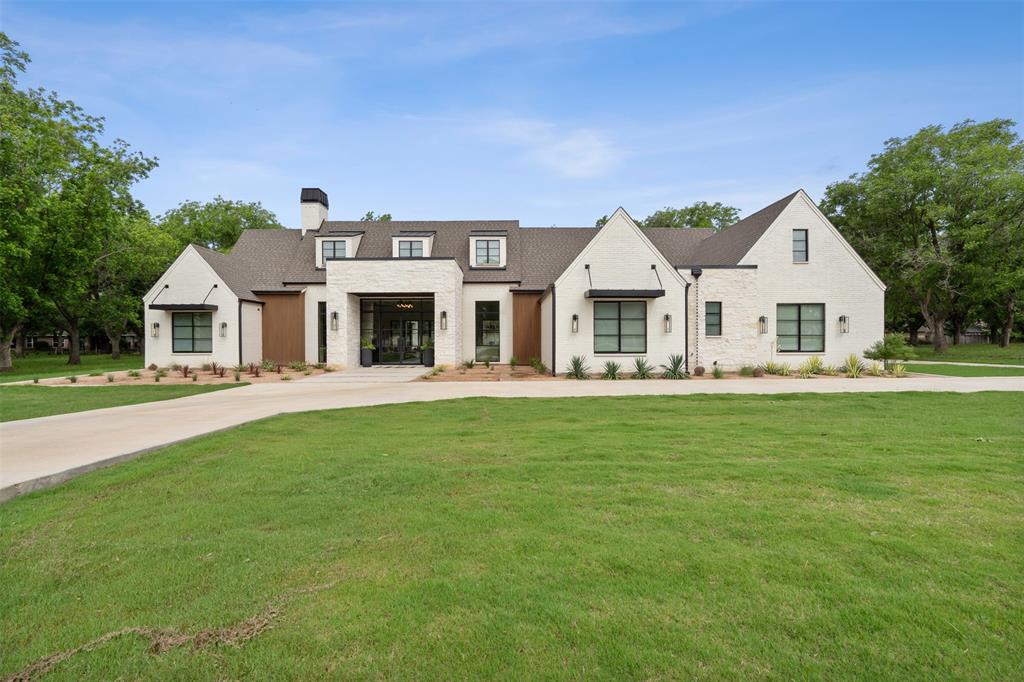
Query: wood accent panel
(284, 327)
(526, 326)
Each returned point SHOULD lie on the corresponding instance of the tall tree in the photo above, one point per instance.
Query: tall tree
(376, 217)
(932, 206)
(716, 216)
(216, 224)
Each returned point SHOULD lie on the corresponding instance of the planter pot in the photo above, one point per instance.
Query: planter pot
(365, 357)
(428, 357)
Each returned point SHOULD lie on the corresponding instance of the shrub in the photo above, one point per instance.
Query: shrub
(830, 370)
(134, 373)
(512, 362)
(152, 367)
(854, 367)
(676, 367)
(538, 366)
(215, 368)
(771, 367)
(238, 375)
(487, 364)
(804, 372)
(205, 367)
(716, 371)
(184, 372)
(221, 370)
(156, 377)
(286, 377)
(814, 364)
(468, 364)
(889, 347)
(698, 371)
(875, 368)
(758, 372)
(35, 380)
(899, 370)
(73, 379)
(578, 368)
(161, 373)
(747, 371)
(784, 369)
(297, 365)
(268, 365)
(642, 369)
(174, 367)
(110, 378)
(611, 370)
(319, 365)
(367, 344)
(195, 377)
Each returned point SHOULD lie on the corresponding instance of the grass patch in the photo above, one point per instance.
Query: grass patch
(831, 536)
(26, 402)
(45, 365)
(966, 370)
(975, 352)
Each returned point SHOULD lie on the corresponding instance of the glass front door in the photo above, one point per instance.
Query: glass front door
(398, 328)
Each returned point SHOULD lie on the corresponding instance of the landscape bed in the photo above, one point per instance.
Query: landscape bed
(836, 536)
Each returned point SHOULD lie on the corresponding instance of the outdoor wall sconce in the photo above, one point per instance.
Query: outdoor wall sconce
(668, 323)
(844, 324)
(156, 330)
(762, 325)
(444, 319)
(575, 323)
(334, 320)
(223, 329)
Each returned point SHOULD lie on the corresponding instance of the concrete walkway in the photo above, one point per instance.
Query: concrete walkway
(37, 453)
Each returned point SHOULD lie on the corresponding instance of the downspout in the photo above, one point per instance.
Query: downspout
(686, 328)
(554, 329)
(239, 332)
(696, 272)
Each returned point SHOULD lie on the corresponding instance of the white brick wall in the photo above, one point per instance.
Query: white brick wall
(190, 279)
(471, 293)
(620, 257)
(736, 289)
(252, 332)
(833, 275)
(442, 278)
(314, 294)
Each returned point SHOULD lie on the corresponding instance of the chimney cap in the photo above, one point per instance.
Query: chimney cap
(313, 194)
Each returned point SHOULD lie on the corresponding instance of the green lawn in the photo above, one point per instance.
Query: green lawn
(967, 370)
(44, 365)
(26, 402)
(975, 352)
(862, 536)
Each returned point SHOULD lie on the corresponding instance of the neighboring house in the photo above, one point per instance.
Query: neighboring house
(779, 285)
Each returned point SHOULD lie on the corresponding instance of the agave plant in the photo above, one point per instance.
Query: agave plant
(814, 364)
(875, 368)
(784, 370)
(899, 370)
(676, 367)
(642, 369)
(578, 368)
(717, 371)
(611, 370)
(771, 367)
(854, 367)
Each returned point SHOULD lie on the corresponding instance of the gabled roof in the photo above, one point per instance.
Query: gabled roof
(230, 270)
(730, 245)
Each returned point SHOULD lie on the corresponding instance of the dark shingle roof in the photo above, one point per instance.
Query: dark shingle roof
(548, 251)
(229, 269)
(730, 245)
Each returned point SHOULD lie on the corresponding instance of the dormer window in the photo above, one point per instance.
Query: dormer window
(335, 249)
(410, 248)
(488, 252)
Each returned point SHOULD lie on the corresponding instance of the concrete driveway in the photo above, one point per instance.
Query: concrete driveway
(37, 453)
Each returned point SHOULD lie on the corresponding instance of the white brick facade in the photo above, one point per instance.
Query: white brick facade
(471, 293)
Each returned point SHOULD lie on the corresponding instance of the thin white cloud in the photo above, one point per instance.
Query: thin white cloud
(575, 153)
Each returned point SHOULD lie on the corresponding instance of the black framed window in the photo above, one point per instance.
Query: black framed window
(488, 331)
(800, 327)
(192, 332)
(410, 249)
(334, 250)
(799, 246)
(488, 252)
(713, 318)
(321, 331)
(620, 326)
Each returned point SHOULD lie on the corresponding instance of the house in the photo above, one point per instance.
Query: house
(781, 284)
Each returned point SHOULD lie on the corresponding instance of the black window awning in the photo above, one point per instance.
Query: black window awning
(182, 306)
(625, 293)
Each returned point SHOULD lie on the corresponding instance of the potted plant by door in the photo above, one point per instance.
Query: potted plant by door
(427, 349)
(366, 349)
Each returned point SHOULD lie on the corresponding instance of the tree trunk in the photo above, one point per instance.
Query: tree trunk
(19, 345)
(958, 331)
(115, 346)
(937, 325)
(1011, 307)
(5, 350)
(915, 335)
(74, 354)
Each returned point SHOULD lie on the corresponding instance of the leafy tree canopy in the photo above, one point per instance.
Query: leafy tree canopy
(378, 217)
(216, 224)
(715, 216)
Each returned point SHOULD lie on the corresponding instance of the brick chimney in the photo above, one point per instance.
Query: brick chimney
(313, 201)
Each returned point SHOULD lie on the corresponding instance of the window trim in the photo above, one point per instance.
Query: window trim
(719, 314)
(410, 243)
(799, 322)
(807, 246)
(192, 338)
(334, 249)
(594, 318)
(476, 253)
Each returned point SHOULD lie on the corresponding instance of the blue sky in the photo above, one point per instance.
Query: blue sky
(550, 113)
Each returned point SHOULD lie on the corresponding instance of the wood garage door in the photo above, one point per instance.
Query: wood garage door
(284, 328)
(526, 326)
